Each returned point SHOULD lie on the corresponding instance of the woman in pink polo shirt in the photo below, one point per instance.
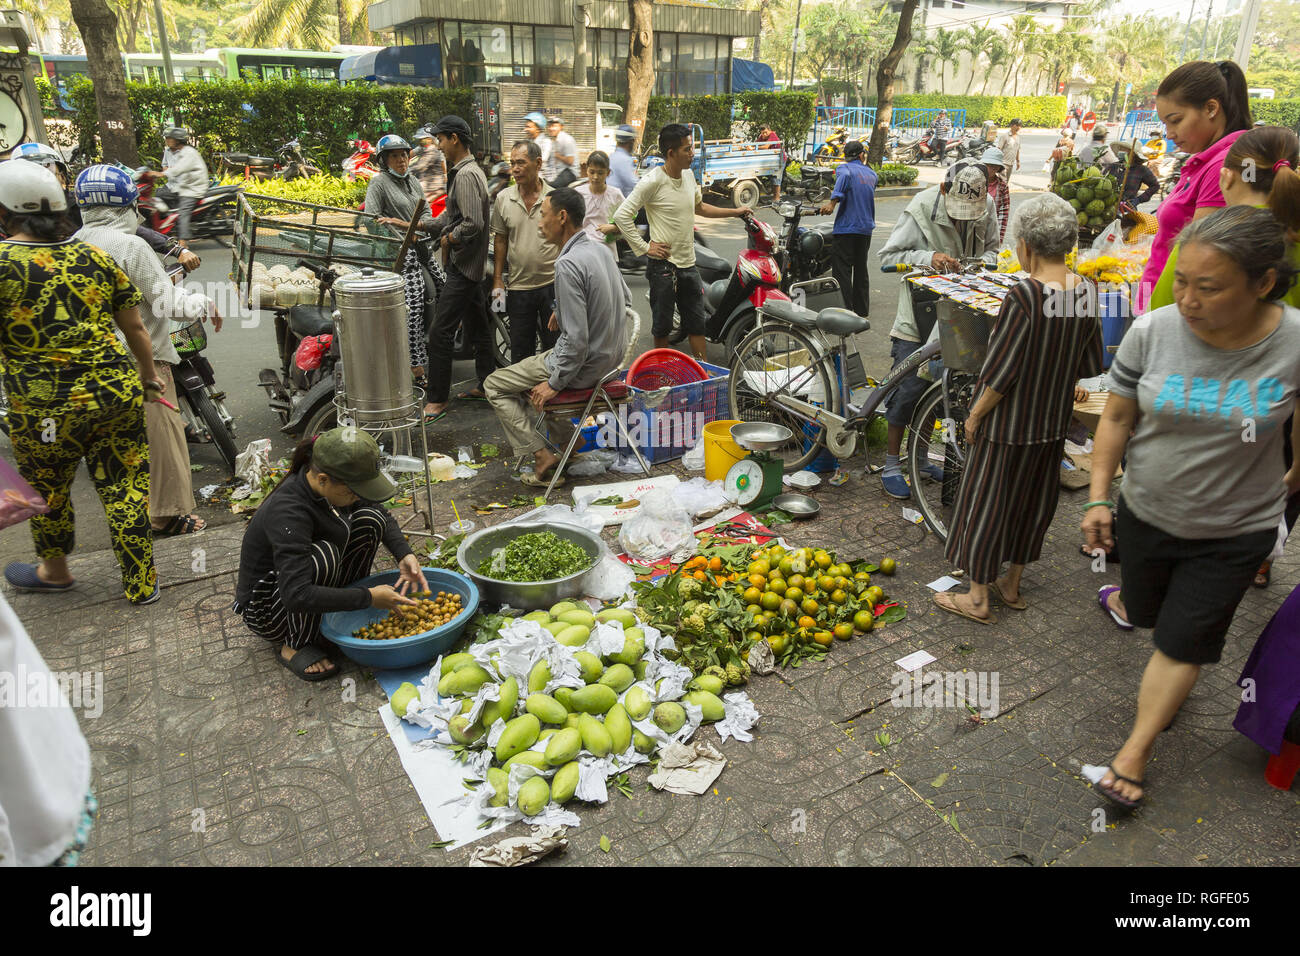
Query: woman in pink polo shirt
(1204, 108)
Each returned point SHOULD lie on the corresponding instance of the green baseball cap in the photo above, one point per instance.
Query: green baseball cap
(352, 456)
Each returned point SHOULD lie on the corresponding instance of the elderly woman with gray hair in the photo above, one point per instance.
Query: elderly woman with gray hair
(1044, 340)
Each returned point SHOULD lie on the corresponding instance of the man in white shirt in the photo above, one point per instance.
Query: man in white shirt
(672, 200)
(564, 155)
(1009, 143)
(188, 175)
(534, 123)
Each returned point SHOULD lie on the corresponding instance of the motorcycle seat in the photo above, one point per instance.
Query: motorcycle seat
(305, 320)
(714, 291)
(222, 190)
(841, 322)
(710, 263)
(787, 311)
(826, 229)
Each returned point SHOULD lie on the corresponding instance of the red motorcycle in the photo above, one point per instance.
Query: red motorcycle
(213, 216)
(362, 164)
(755, 281)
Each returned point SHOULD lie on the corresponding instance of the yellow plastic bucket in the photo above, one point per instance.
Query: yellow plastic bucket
(720, 452)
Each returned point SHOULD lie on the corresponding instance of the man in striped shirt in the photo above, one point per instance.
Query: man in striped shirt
(996, 168)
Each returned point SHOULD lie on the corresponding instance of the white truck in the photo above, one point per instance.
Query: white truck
(497, 117)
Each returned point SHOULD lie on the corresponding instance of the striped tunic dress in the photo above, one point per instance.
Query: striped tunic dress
(1042, 343)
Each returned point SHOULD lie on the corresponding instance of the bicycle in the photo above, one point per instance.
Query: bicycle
(788, 371)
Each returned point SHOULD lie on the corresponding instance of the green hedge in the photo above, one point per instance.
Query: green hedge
(888, 174)
(257, 117)
(789, 114)
(1277, 112)
(1043, 111)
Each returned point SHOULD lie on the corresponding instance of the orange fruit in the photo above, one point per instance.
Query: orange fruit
(806, 622)
(752, 595)
(796, 581)
(770, 601)
(776, 551)
(843, 631)
(777, 642)
(760, 567)
(838, 596)
(789, 609)
(862, 578)
(753, 636)
(826, 583)
(794, 594)
(700, 576)
(875, 595)
(754, 608)
(715, 563)
(810, 606)
(758, 580)
(864, 620)
(823, 638)
(823, 560)
(888, 565)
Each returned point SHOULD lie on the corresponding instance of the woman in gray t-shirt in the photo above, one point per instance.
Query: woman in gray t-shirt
(1209, 384)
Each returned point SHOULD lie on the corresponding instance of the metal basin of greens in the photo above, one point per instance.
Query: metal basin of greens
(529, 595)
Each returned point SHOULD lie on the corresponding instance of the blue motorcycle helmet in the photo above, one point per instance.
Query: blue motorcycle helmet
(105, 185)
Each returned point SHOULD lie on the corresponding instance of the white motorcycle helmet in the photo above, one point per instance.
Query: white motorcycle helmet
(30, 188)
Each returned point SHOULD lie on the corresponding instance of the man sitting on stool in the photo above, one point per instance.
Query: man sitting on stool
(591, 303)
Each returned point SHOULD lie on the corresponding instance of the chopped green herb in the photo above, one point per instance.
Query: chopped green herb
(540, 556)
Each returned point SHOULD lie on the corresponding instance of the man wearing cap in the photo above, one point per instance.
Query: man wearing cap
(855, 194)
(314, 535)
(1008, 143)
(995, 168)
(564, 155)
(534, 124)
(523, 256)
(940, 226)
(591, 303)
(462, 230)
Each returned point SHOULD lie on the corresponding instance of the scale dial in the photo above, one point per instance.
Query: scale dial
(744, 481)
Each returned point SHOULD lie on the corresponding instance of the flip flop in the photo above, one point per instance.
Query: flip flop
(431, 417)
(180, 524)
(471, 397)
(531, 480)
(24, 578)
(302, 660)
(1103, 599)
(1020, 604)
(952, 608)
(1263, 575)
(1117, 798)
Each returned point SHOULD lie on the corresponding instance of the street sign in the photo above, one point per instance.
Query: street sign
(1089, 120)
(1128, 88)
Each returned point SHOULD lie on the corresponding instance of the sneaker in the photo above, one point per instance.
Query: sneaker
(932, 472)
(896, 486)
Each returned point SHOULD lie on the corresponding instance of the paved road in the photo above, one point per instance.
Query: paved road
(245, 346)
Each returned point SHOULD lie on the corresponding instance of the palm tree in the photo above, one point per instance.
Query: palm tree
(946, 47)
(1020, 34)
(1133, 45)
(975, 41)
(995, 54)
(303, 24)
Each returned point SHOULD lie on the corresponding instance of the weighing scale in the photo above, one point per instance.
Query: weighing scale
(755, 480)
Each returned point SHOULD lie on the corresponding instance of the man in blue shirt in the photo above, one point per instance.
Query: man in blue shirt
(622, 174)
(855, 193)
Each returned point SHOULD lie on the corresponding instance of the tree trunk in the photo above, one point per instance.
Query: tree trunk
(345, 25)
(1114, 101)
(640, 66)
(885, 83)
(758, 37)
(974, 68)
(98, 27)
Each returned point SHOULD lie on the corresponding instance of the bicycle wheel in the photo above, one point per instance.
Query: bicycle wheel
(772, 363)
(936, 455)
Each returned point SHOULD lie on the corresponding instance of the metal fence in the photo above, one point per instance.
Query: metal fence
(861, 120)
(1142, 124)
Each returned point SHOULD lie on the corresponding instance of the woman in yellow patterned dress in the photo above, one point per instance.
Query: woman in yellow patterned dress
(73, 391)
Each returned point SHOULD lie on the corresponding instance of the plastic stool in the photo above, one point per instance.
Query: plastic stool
(1281, 769)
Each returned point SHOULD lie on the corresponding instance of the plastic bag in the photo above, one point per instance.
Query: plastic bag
(1111, 240)
(310, 351)
(593, 463)
(693, 460)
(660, 527)
(699, 496)
(18, 500)
(254, 463)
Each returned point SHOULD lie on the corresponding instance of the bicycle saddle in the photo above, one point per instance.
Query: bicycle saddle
(841, 322)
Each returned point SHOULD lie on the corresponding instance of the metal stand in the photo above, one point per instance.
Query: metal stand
(397, 424)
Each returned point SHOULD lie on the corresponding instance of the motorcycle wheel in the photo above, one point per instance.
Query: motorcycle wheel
(206, 411)
(824, 153)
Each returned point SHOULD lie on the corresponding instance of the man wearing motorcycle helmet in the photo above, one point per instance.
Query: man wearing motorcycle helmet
(428, 165)
(394, 196)
(49, 157)
(106, 196)
(188, 175)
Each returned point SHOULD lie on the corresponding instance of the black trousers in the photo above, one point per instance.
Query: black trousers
(849, 267)
(462, 301)
(530, 315)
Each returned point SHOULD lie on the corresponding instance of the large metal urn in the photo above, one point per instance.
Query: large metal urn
(373, 345)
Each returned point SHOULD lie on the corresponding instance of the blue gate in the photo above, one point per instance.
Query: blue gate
(861, 120)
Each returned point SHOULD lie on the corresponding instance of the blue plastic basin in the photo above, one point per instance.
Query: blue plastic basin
(405, 651)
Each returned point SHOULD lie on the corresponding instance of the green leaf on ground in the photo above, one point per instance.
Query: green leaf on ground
(605, 844)
(440, 844)
(892, 615)
(489, 451)
(939, 781)
(196, 467)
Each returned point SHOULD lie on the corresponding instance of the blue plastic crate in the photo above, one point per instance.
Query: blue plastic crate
(667, 423)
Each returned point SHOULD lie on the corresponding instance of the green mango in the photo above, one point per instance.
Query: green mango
(642, 743)
(594, 699)
(618, 677)
(565, 696)
(520, 734)
(453, 661)
(633, 649)
(546, 708)
(464, 681)
(504, 706)
(533, 797)
(619, 728)
(637, 703)
(573, 635)
(620, 614)
(710, 682)
(565, 783)
(560, 608)
(541, 617)
(402, 698)
(466, 704)
(539, 677)
(594, 736)
(592, 668)
(640, 669)
(555, 627)
(709, 703)
(500, 781)
(546, 734)
(578, 616)
(563, 747)
(573, 720)
(531, 758)
(462, 731)
(670, 717)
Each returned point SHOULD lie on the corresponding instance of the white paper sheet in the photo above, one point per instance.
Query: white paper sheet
(915, 660)
(944, 583)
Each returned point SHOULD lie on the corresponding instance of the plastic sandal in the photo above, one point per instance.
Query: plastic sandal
(24, 578)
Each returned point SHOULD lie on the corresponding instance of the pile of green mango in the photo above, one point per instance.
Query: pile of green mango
(569, 720)
(1091, 193)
